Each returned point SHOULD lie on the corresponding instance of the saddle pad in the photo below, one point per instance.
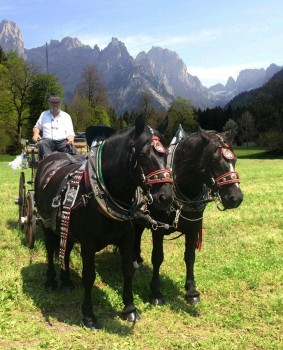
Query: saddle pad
(51, 176)
(55, 162)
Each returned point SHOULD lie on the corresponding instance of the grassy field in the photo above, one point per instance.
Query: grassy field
(238, 272)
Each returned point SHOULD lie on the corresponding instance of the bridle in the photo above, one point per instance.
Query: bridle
(210, 192)
(228, 178)
(159, 176)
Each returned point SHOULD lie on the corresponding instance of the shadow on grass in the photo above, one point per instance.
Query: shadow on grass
(259, 155)
(66, 307)
(109, 269)
(12, 224)
(246, 153)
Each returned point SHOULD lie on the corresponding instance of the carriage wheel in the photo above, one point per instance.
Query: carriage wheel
(21, 201)
(30, 220)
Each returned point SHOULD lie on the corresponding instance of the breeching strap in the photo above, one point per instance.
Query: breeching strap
(69, 201)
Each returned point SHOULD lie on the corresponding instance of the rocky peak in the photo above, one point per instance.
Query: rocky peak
(231, 84)
(271, 70)
(11, 38)
(217, 88)
(250, 79)
(115, 54)
(71, 43)
(164, 61)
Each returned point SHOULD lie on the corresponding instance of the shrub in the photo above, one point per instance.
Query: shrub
(272, 141)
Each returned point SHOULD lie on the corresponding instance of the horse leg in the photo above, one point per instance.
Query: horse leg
(192, 295)
(88, 277)
(66, 283)
(137, 259)
(157, 257)
(129, 311)
(51, 240)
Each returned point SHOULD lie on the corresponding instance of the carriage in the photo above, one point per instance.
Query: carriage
(28, 218)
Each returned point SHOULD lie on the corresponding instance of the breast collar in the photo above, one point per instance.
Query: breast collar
(108, 205)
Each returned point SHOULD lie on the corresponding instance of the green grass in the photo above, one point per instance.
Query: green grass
(6, 158)
(238, 272)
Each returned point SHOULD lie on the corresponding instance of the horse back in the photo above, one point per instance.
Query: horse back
(51, 177)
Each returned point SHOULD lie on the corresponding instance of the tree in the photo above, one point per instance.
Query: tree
(19, 80)
(247, 126)
(80, 111)
(3, 56)
(99, 116)
(231, 125)
(7, 112)
(41, 86)
(181, 112)
(145, 106)
(92, 88)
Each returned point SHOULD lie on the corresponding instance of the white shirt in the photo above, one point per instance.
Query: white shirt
(57, 128)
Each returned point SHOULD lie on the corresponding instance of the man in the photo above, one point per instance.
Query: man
(57, 129)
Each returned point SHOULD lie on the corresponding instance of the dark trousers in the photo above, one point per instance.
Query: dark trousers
(47, 146)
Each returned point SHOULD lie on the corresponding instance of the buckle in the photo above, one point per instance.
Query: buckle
(56, 202)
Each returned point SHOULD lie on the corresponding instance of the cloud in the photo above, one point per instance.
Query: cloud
(144, 42)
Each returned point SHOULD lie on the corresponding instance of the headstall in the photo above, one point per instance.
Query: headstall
(231, 177)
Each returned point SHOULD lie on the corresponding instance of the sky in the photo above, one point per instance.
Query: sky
(216, 39)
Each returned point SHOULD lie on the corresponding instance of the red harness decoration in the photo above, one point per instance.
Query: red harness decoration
(159, 176)
(228, 178)
(158, 146)
(227, 153)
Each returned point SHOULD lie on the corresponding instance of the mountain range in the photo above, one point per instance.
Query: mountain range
(160, 73)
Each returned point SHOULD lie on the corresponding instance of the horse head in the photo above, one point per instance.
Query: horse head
(219, 167)
(136, 158)
(148, 159)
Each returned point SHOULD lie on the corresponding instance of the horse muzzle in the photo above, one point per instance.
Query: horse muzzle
(231, 197)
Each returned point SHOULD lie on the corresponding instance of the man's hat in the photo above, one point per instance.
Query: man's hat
(54, 98)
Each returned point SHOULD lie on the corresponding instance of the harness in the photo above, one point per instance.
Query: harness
(183, 204)
(108, 206)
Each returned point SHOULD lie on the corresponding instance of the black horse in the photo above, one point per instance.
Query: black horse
(203, 170)
(108, 199)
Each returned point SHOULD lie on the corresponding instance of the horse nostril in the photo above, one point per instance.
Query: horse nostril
(236, 201)
(162, 198)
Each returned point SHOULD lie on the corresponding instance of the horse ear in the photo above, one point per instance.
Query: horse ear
(163, 126)
(229, 134)
(204, 135)
(139, 125)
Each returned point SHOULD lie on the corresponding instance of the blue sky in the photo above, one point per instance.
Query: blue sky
(215, 38)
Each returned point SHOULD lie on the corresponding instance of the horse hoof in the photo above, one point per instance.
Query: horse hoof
(130, 314)
(192, 299)
(90, 323)
(157, 301)
(131, 317)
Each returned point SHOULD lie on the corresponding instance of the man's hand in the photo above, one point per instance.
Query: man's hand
(70, 141)
(36, 138)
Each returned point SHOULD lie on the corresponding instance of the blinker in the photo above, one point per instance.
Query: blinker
(227, 153)
(156, 143)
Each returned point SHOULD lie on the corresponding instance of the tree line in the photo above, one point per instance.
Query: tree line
(24, 92)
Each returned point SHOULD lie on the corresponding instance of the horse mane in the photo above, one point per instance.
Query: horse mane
(116, 161)
(194, 154)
